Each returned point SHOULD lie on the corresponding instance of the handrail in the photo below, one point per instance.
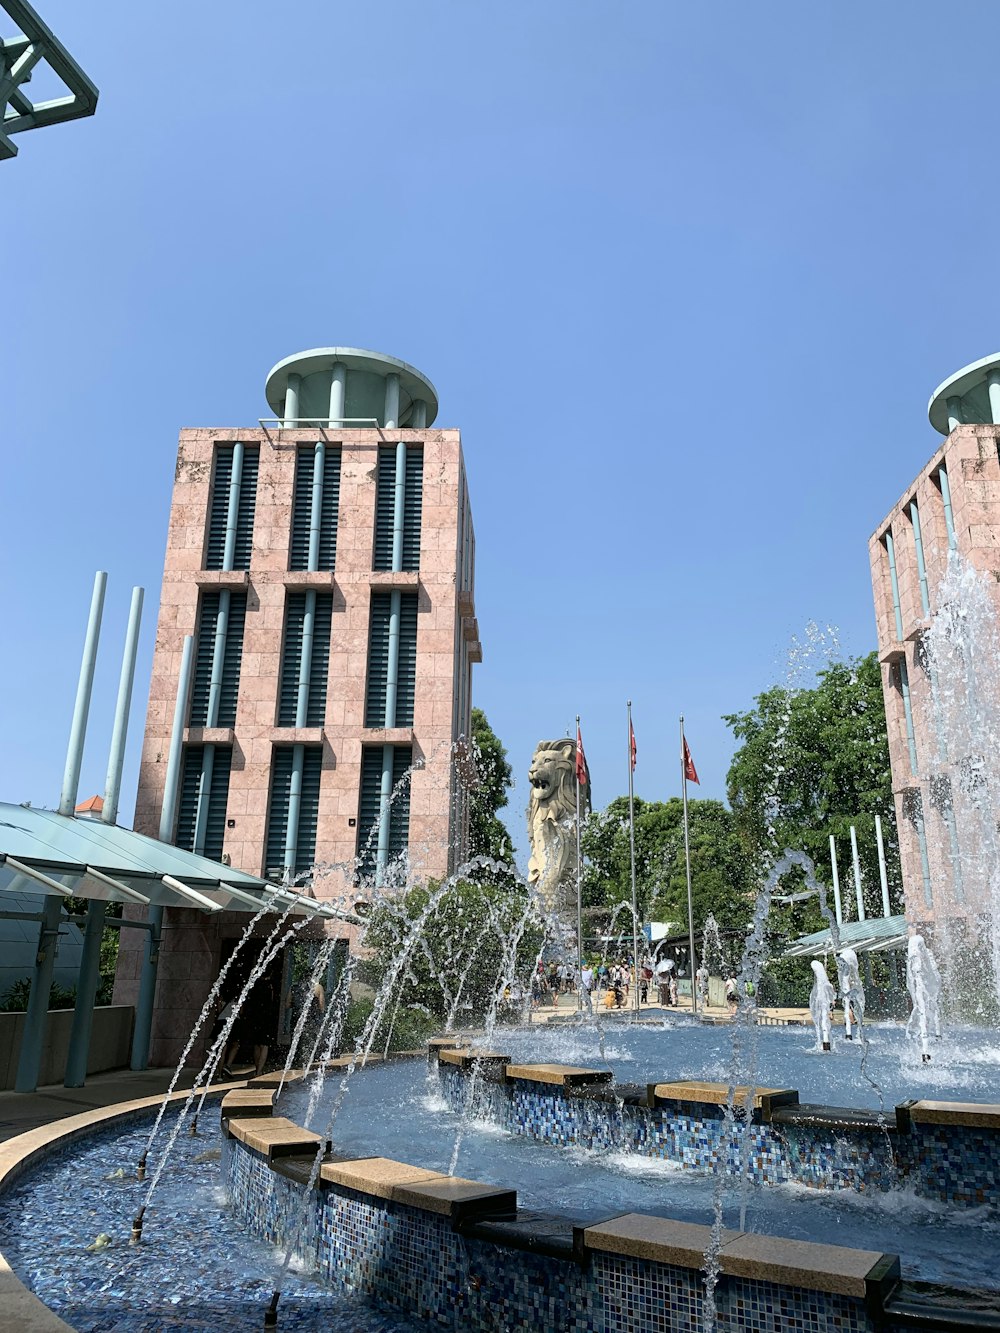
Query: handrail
(324, 424)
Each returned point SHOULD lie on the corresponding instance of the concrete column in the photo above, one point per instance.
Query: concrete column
(993, 381)
(116, 757)
(954, 406)
(147, 991)
(391, 412)
(81, 708)
(418, 421)
(86, 992)
(36, 1019)
(292, 399)
(338, 392)
(857, 874)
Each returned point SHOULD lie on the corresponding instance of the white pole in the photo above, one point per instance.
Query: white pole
(631, 842)
(579, 879)
(692, 961)
(881, 867)
(857, 873)
(836, 882)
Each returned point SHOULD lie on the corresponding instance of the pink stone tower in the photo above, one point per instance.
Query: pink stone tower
(323, 562)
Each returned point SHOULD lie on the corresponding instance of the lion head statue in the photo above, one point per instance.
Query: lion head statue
(551, 816)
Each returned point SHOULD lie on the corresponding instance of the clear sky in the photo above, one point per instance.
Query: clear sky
(684, 275)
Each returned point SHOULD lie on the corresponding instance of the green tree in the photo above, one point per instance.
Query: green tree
(490, 782)
(449, 953)
(813, 762)
(719, 883)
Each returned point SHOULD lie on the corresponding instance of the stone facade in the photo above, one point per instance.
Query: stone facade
(935, 845)
(447, 646)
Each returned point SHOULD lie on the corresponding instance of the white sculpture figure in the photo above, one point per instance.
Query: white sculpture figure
(821, 998)
(851, 991)
(552, 826)
(701, 978)
(923, 981)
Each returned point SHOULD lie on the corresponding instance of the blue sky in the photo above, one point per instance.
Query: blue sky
(685, 276)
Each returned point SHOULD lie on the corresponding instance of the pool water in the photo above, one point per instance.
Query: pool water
(397, 1110)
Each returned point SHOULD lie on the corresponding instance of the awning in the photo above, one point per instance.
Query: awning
(44, 852)
(876, 935)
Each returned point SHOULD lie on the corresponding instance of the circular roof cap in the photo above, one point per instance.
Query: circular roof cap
(413, 385)
(968, 384)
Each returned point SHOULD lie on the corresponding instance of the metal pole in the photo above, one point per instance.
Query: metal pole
(233, 508)
(631, 842)
(294, 809)
(857, 874)
(883, 878)
(836, 881)
(687, 863)
(35, 1020)
(579, 881)
(86, 992)
(116, 757)
(81, 709)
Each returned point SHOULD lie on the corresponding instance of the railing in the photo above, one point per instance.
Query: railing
(322, 423)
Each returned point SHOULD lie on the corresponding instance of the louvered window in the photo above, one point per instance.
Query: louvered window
(207, 627)
(218, 798)
(368, 806)
(378, 659)
(219, 506)
(291, 659)
(302, 509)
(385, 495)
(277, 815)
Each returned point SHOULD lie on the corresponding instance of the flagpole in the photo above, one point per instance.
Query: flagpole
(687, 863)
(579, 879)
(631, 840)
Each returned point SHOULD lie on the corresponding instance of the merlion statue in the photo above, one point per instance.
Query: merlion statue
(552, 825)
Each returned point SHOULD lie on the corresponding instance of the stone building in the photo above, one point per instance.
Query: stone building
(324, 563)
(952, 505)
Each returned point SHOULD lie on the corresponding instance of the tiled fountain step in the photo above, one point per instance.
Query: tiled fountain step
(244, 1102)
(942, 1310)
(465, 1058)
(817, 1116)
(797, 1263)
(383, 1178)
(717, 1094)
(566, 1076)
(274, 1137)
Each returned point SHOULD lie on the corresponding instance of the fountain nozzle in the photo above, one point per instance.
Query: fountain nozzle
(926, 1058)
(271, 1313)
(140, 1168)
(136, 1237)
(193, 1131)
(826, 1046)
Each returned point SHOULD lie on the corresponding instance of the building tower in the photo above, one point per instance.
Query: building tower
(952, 505)
(324, 563)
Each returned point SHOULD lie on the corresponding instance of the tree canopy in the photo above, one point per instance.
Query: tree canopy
(719, 883)
(493, 778)
(813, 762)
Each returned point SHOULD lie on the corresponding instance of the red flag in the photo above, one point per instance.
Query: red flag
(581, 759)
(690, 772)
(631, 744)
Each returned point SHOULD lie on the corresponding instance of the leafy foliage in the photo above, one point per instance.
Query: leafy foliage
(493, 778)
(449, 951)
(719, 883)
(813, 762)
